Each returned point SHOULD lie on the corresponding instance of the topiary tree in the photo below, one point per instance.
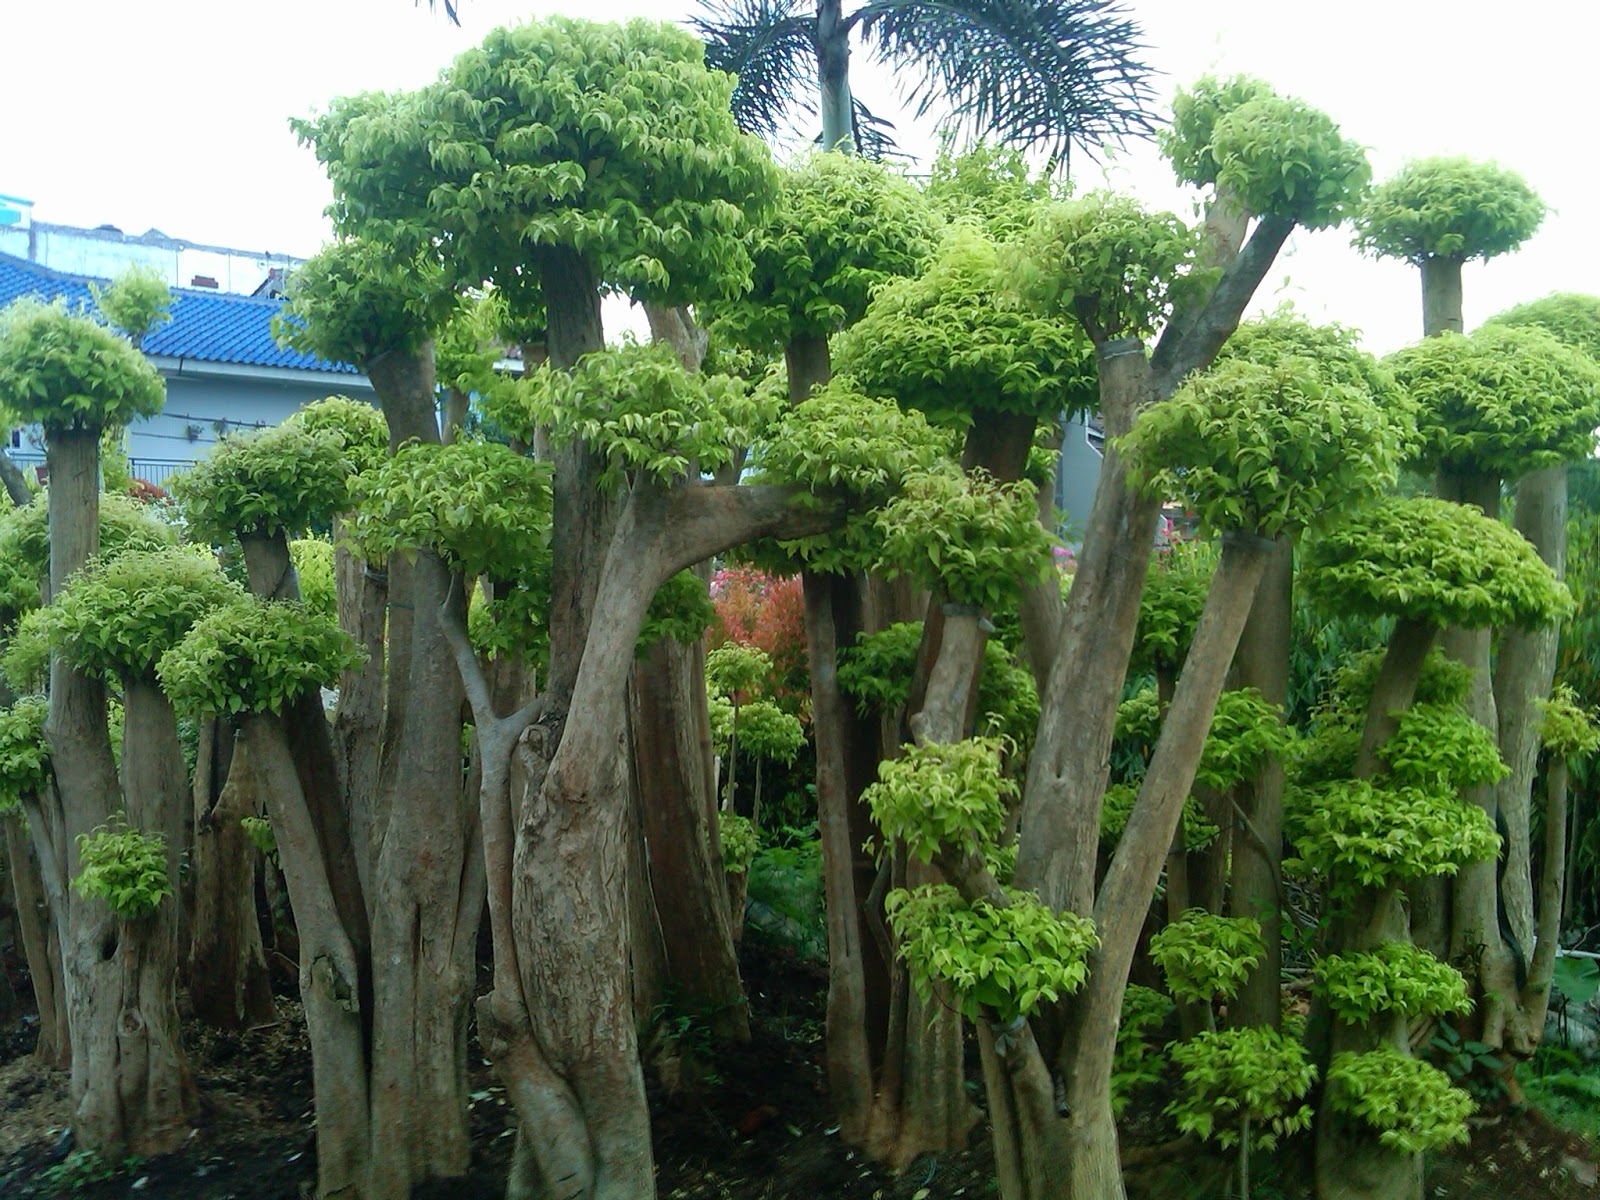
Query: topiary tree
(1440, 213)
(75, 378)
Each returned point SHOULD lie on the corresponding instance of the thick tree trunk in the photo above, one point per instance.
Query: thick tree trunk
(36, 925)
(227, 967)
(1069, 766)
(1262, 662)
(1523, 672)
(155, 1080)
(833, 77)
(672, 741)
(427, 871)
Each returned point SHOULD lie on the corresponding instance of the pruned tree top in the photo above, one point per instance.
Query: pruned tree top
(1435, 561)
(358, 427)
(640, 410)
(136, 301)
(612, 143)
(283, 479)
(1572, 318)
(118, 616)
(68, 372)
(841, 443)
(1245, 729)
(989, 185)
(842, 226)
(1451, 208)
(1107, 262)
(1503, 401)
(1566, 728)
(481, 506)
(967, 534)
(357, 299)
(952, 341)
(254, 656)
(1274, 155)
(1264, 450)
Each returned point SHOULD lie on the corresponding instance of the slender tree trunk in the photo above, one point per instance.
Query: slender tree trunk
(12, 480)
(1351, 1163)
(358, 722)
(849, 1057)
(833, 77)
(1523, 672)
(227, 967)
(331, 967)
(1552, 883)
(1262, 662)
(672, 741)
(36, 924)
(1474, 891)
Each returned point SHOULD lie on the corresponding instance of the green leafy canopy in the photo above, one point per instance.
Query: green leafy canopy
(68, 372)
(612, 144)
(254, 657)
(356, 300)
(1205, 956)
(1234, 1076)
(1397, 977)
(279, 480)
(118, 616)
(1448, 208)
(24, 756)
(1412, 1105)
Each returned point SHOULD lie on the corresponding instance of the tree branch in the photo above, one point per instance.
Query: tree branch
(1190, 346)
(699, 521)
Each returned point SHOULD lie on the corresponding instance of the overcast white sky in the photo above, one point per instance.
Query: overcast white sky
(174, 115)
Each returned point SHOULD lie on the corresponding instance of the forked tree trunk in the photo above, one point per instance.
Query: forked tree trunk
(36, 925)
(227, 967)
(672, 742)
(1523, 673)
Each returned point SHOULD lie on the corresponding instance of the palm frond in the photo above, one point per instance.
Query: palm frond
(771, 46)
(1032, 73)
(451, 10)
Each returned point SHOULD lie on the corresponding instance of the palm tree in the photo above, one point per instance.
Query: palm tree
(1031, 73)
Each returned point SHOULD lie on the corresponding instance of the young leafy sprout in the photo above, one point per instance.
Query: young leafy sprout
(125, 868)
(1397, 977)
(24, 756)
(999, 960)
(1206, 957)
(1411, 1104)
(637, 406)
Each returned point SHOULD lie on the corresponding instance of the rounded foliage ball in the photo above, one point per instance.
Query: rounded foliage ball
(67, 372)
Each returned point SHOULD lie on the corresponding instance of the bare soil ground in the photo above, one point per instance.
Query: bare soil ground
(759, 1128)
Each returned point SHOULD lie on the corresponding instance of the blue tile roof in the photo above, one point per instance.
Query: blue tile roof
(206, 326)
